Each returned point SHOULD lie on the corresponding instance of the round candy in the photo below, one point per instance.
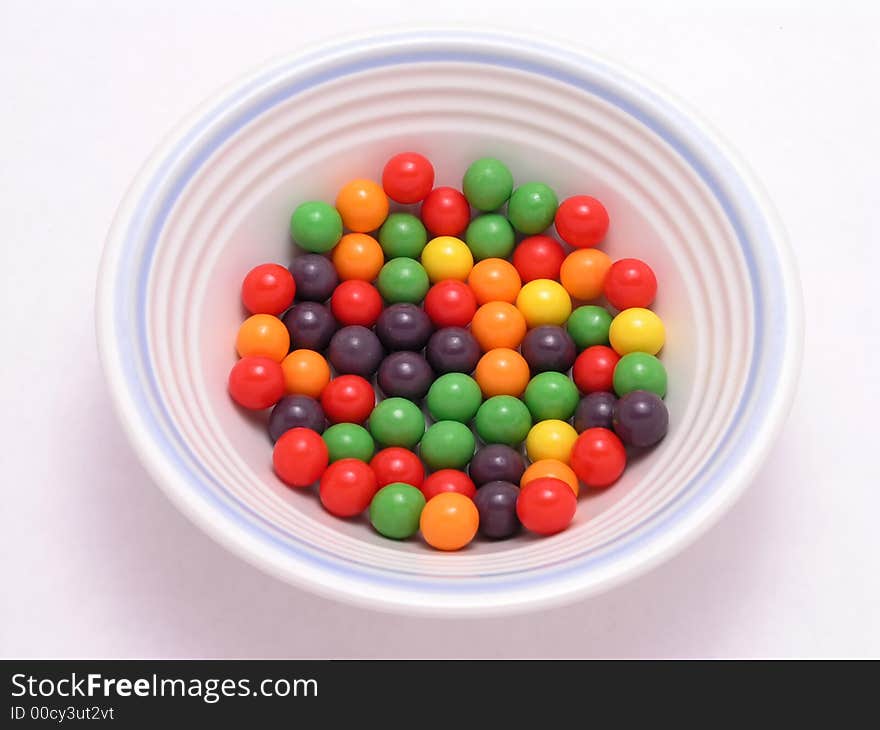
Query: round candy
(546, 506)
(639, 371)
(404, 326)
(316, 226)
(498, 324)
(551, 468)
(496, 504)
(588, 325)
(551, 395)
(452, 350)
(454, 397)
(594, 411)
(582, 221)
(305, 373)
(268, 289)
(402, 235)
(349, 441)
(490, 236)
(637, 330)
(310, 324)
(543, 301)
(447, 445)
(487, 184)
(363, 205)
(538, 257)
(396, 464)
(630, 283)
(583, 273)
(355, 350)
(449, 521)
(408, 177)
(397, 422)
(447, 257)
(445, 212)
(502, 371)
(448, 480)
(356, 302)
(405, 374)
(503, 420)
(550, 439)
(549, 348)
(598, 457)
(403, 280)
(640, 418)
(450, 303)
(263, 335)
(348, 399)
(256, 383)
(594, 369)
(358, 256)
(395, 510)
(315, 277)
(300, 457)
(295, 411)
(496, 462)
(347, 487)
(494, 280)
(532, 207)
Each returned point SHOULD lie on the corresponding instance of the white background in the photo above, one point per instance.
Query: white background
(94, 561)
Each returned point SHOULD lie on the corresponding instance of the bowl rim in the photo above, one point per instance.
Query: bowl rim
(632, 94)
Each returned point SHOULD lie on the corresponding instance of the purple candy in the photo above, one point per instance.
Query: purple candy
(295, 411)
(453, 350)
(594, 411)
(404, 326)
(315, 277)
(310, 324)
(496, 503)
(406, 375)
(496, 462)
(640, 418)
(548, 348)
(355, 350)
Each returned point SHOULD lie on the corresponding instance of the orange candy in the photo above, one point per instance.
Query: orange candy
(502, 371)
(494, 280)
(551, 468)
(305, 373)
(262, 335)
(449, 521)
(358, 256)
(363, 205)
(498, 324)
(583, 273)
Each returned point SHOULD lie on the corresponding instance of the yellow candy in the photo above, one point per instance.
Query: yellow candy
(637, 330)
(447, 257)
(551, 439)
(544, 301)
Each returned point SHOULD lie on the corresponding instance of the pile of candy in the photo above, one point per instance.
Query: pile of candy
(468, 326)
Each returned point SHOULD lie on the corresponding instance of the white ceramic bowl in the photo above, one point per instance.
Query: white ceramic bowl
(216, 199)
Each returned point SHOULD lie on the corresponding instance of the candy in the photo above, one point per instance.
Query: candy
(402, 235)
(349, 441)
(639, 371)
(538, 257)
(405, 374)
(397, 422)
(532, 207)
(449, 521)
(546, 506)
(503, 419)
(551, 439)
(543, 301)
(447, 257)
(454, 397)
(551, 395)
(363, 205)
(502, 371)
(637, 330)
(408, 177)
(498, 324)
(310, 325)
(445, 212)
(630, 283)
(348, 399)
(263, 335)
(316, 226)
(496, 504)
(396, 464)
(583, 273)
(594, 369)
(300, 457)
(295, 411)
(450, 303)
(403, 280)
(356, 302)
(594, 411)
(598, 457)
(404, 326)
(268, 289)
(588, 326)
(355, 350)
(581, 221)
(494, 280)
(305, 373)
(496, 462)
(395, 510)
(490, 236)
(447, 445)
(448, 480)
(256, 383)
(358, 256)
(347, 487)
(549, 347)
(452, 350)
(487, 184)
(640, 418)
(551, 468)
(315, 277)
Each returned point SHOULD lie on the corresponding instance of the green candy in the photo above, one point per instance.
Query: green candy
(396, 509)
(588, 326)
(487, 184)
(454, 397)
(402, 234)
(447, 445)
(490, 236)
(532, 208)
(316, 226)
(639, 371)
(403, 280)
(551, 395)
(503, 419)
(349, 441)
(397, 422)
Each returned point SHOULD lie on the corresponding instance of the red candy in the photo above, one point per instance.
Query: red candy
(538, 257)
(446, 212)
(268, 289)
(598, 457)
(546, 505)
(408, 177)
(594, 369)
(356, 302)
(256, 382)
(449, 480)
(581, 221)
(396, 464)
(630, 283)
(300, 457)
(451, 303)
(348, 399)
(347, 487)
